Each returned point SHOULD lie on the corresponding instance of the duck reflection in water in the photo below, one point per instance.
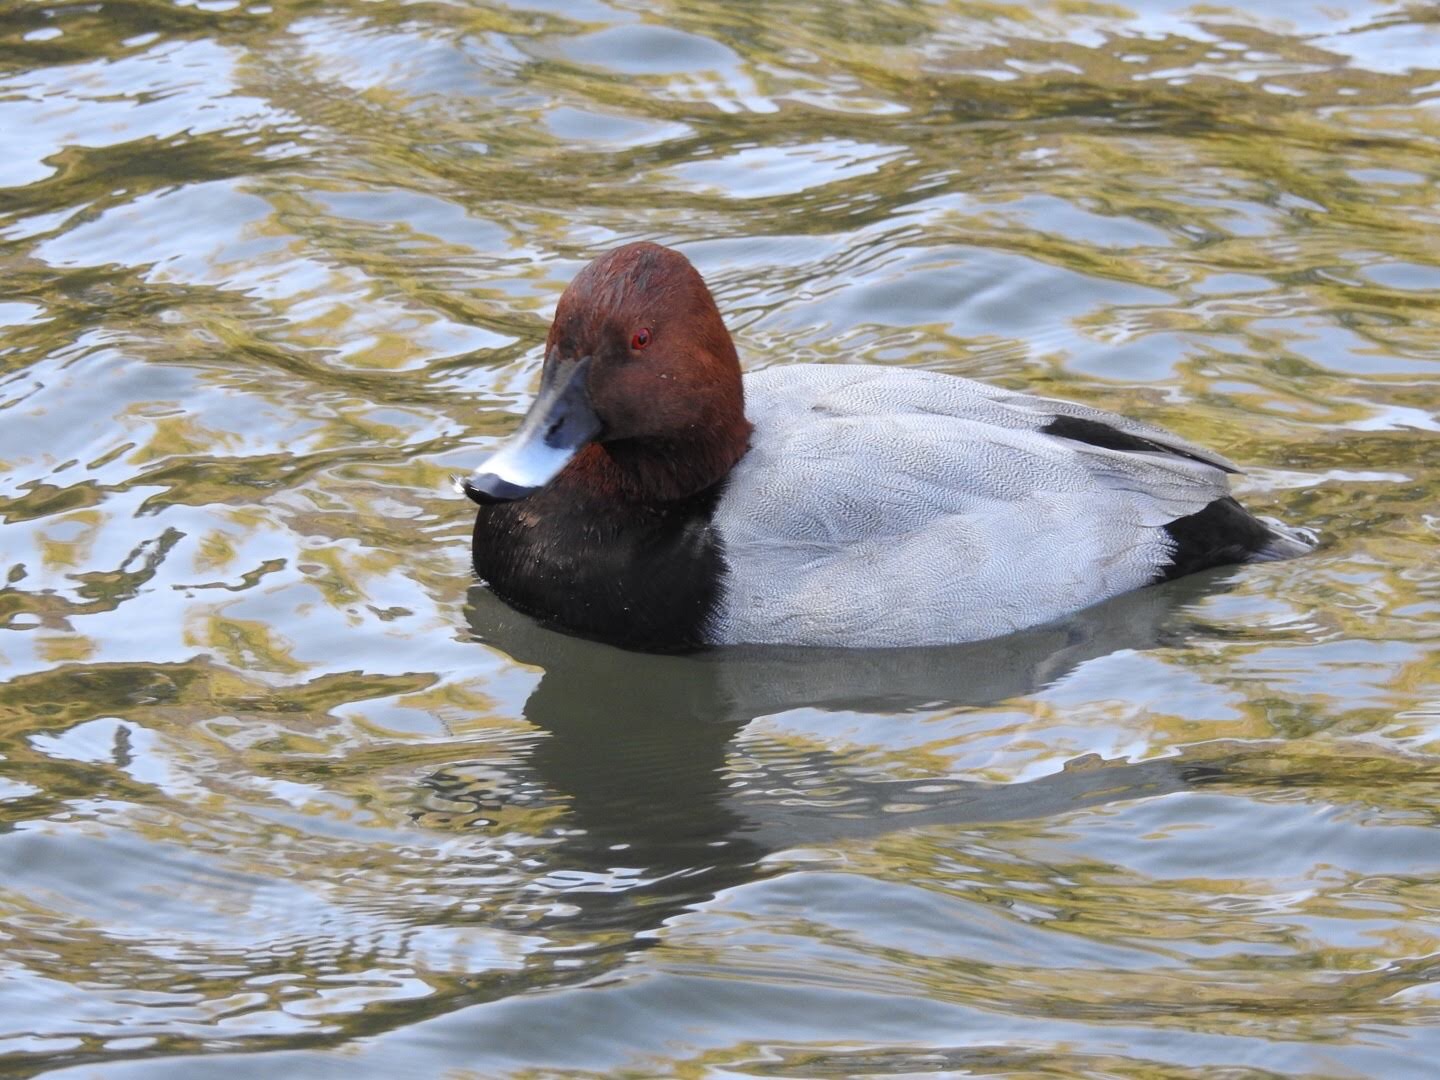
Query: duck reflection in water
(643, 748)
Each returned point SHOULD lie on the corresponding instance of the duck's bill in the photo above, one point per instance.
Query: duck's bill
(558, 426)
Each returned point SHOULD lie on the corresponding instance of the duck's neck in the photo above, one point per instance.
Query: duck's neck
(656, 469)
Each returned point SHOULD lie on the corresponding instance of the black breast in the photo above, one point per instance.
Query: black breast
(638, 575)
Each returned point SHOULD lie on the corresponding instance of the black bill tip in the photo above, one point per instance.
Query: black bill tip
(487, 489)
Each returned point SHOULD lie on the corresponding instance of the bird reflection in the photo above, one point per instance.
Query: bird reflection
(639, 746)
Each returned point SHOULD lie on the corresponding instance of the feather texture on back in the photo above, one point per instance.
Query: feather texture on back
(884, 507)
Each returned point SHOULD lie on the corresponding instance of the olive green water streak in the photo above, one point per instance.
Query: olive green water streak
(280, 786)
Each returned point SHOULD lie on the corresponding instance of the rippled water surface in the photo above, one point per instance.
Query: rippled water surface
(282, 787)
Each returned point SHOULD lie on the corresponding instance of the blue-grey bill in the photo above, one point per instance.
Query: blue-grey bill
(558, 426)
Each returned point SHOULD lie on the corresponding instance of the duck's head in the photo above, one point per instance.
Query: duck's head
(640, 396)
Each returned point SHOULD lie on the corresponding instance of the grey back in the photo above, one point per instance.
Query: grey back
(888, 507)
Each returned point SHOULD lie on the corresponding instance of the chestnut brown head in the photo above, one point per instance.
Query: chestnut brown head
(640, 393)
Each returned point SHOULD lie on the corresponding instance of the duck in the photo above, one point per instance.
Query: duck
(657, 498)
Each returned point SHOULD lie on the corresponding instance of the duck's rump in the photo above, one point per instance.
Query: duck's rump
(884, 507)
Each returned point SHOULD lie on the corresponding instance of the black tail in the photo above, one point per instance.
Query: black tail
(1225, 533)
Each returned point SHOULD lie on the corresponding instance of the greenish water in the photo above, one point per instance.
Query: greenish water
(282, 787)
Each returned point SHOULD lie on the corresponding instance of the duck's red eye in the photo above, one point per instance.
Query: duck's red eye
(641, 338)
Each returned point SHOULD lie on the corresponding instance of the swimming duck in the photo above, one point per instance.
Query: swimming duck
(655, 498)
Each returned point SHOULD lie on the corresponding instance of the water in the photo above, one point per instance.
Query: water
(281, 787)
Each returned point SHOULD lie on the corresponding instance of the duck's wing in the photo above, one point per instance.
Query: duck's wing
(1110, 431)
(873, 391)
(885, 507)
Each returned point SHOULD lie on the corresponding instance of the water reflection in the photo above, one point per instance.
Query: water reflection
(639, 748)
(272, 783)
